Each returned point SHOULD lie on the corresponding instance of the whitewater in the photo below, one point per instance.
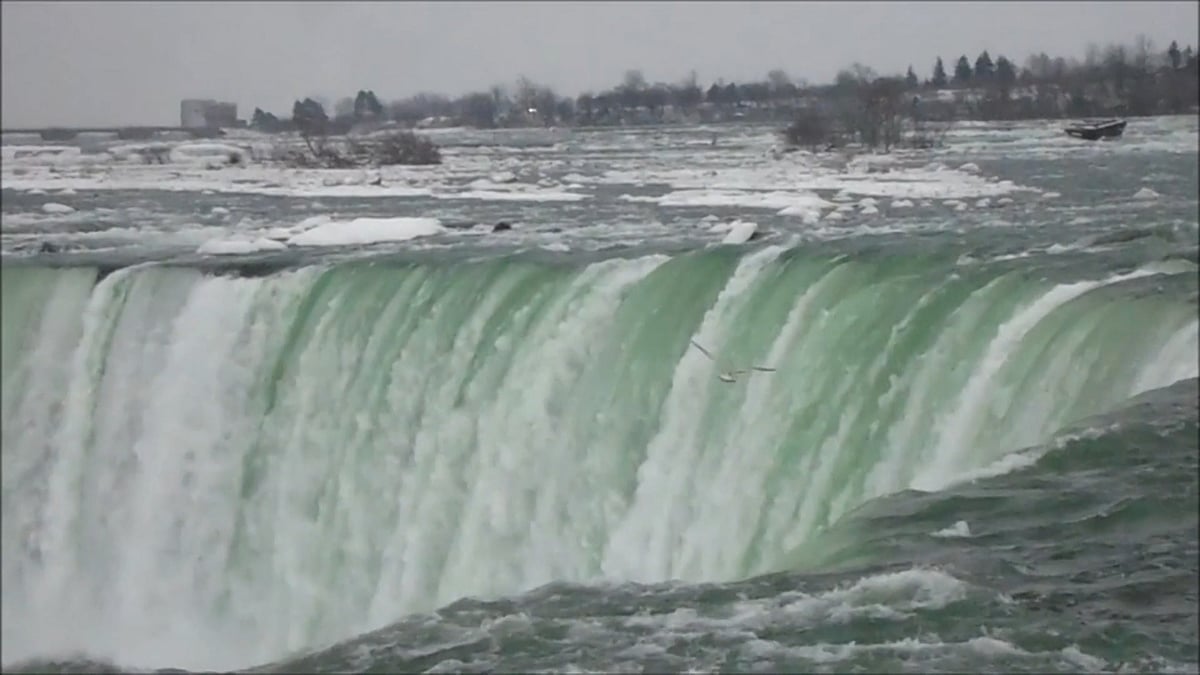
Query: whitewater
(510, 456)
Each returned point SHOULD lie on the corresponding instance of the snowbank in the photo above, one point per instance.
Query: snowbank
(206, 151)
(366, 231)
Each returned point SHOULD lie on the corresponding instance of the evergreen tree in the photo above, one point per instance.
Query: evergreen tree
(309, 117)
(984, 69)
(910, 79)
(1174, 55)
(939, 74)
(715, 93)
(962, 71)
(1006, 74)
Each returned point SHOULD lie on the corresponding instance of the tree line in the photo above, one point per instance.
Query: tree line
(1136, 79)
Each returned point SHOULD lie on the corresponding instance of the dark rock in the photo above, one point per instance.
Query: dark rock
(501, 227)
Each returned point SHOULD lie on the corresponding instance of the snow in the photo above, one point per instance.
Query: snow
(55, 207)
(740, 232)
(1145, 194)
(366, 231)
(239, 246)
(187, 152)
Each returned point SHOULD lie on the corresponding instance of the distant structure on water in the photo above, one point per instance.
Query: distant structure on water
(207, 113)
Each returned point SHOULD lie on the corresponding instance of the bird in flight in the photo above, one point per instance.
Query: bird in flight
(730, 375)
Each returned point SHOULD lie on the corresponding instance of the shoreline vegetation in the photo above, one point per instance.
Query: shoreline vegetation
(1117, 80)
(860, 108)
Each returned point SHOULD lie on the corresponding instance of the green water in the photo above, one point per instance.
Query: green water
(274, 463)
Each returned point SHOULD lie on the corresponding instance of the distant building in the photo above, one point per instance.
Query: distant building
(207, 113)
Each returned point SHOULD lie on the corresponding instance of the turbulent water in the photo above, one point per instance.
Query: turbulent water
(974, 453)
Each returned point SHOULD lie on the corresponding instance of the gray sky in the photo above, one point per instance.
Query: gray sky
(83, 63)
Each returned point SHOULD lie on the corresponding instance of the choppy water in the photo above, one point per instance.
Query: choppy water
(498, 451)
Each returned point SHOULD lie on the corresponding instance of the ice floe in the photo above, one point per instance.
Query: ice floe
(366, 231)
(740, 232)
(239, 246)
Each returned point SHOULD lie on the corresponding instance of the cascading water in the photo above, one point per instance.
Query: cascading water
(278, 462)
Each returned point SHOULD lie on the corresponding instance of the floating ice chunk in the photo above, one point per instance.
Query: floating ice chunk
(516, 196)
(902, 204)
(867, 201)
(66, 192)
(284, 233)
(55, 207)
(961, 207)
(983, 203)
(1004, 201)
(36, 191)
(740, 232)
(749, 199)
(367, 231)
(313, 221)
(1051, 195)
(806, 207)
(219, 211)
(969, 167)
(280, 233)
(503, 177)
(952, 203)
(808, 215)
(958, 529)
(710, 218)
(547, 183)
(556, 247)
(239, 246)
(843, 196)
(870, 210)
(834, 216)
(1146, 194)
(207, 192)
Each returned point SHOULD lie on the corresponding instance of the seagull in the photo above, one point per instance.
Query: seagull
(730, 375)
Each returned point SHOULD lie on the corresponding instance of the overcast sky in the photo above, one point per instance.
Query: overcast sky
(103, 63)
